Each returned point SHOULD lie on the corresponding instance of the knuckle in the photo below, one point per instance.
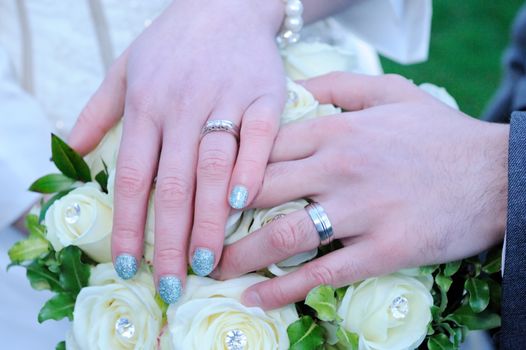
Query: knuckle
(130, 181)
(320, 274)
(286, 237)
(260, 128)
(126, 235)
(140, 102)
(278, 293)
(209, 227)
(213, 162)
(169, 255)
(173, 191)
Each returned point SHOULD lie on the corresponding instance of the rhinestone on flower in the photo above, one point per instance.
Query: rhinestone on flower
(125, 328)
(72, 213)
(235, 340)
(399, 307)
(292, 97)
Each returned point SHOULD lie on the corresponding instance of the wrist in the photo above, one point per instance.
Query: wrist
(262, 15)
(496, 151)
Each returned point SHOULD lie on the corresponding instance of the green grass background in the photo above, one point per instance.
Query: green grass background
(467, 42)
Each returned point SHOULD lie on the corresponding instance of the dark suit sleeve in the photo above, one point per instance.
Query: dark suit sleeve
(511, 95)
(514, 280)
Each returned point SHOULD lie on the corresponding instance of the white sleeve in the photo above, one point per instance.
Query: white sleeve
(24, 144)
(397, 29)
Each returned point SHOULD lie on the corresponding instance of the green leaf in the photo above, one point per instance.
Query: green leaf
(41, 278)
(495, 293)
(453, 333)
(50, 202)
(74, 273)
(430, 329)
(444, 283)
(427, 270)
(52, 183)
(347, 339)
(435, 312)
(305, 334)
(102, 179)
(478, 294)
(440, 342)
(323, 301)
(340, 293)
(494, 262)
(28, 249)
(451, 268)
(61, 346)
(34, 227)
(57, 308)
(484, 320)
(69, 162)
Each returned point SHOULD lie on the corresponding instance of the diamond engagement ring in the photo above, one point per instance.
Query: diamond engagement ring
(321, 222)
(220, 125)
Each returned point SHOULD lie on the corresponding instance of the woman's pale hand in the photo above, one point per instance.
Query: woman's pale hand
(405, 180)
(200, 60)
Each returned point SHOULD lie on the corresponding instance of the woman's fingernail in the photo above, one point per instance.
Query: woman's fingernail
(170, 289)
(126, 266)
(238, 197)
(251, 298)
(203, 261)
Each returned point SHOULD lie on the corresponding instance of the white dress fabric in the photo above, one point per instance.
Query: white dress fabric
(52, 58)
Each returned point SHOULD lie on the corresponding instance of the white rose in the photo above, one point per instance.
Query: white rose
(83, 218)
(307, 60)
(107, 151)
(108, 299)
(366, 310)
(238, 226)
(301, 105)
(209, 309)
(440, 94)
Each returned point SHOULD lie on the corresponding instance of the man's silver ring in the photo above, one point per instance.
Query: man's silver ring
(220, 125)
(321, 222)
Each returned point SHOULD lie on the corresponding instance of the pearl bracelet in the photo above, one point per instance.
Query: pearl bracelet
(290, 33)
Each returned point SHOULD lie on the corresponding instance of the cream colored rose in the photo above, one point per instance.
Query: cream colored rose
(301, 105)
(388, 313)
(107, 151)
(83, 218)
(440, 94)
(108, 299)
(211, 310)
(307, 60)
(238, 226)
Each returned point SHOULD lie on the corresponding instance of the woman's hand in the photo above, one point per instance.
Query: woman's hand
(405, 180)
(199, 61)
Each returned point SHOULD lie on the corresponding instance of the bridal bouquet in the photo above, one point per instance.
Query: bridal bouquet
(68, 253)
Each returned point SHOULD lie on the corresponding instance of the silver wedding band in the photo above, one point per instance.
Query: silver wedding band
(321, 222)
(220, 125)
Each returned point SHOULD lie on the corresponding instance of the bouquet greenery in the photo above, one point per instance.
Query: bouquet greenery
(68, 252)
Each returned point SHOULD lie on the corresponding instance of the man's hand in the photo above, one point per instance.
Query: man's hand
(405, 180)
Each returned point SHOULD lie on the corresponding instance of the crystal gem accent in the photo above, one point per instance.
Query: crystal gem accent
(399, 307)
(125, 328)
(292, 98)
(72, 213)
(235, 340)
